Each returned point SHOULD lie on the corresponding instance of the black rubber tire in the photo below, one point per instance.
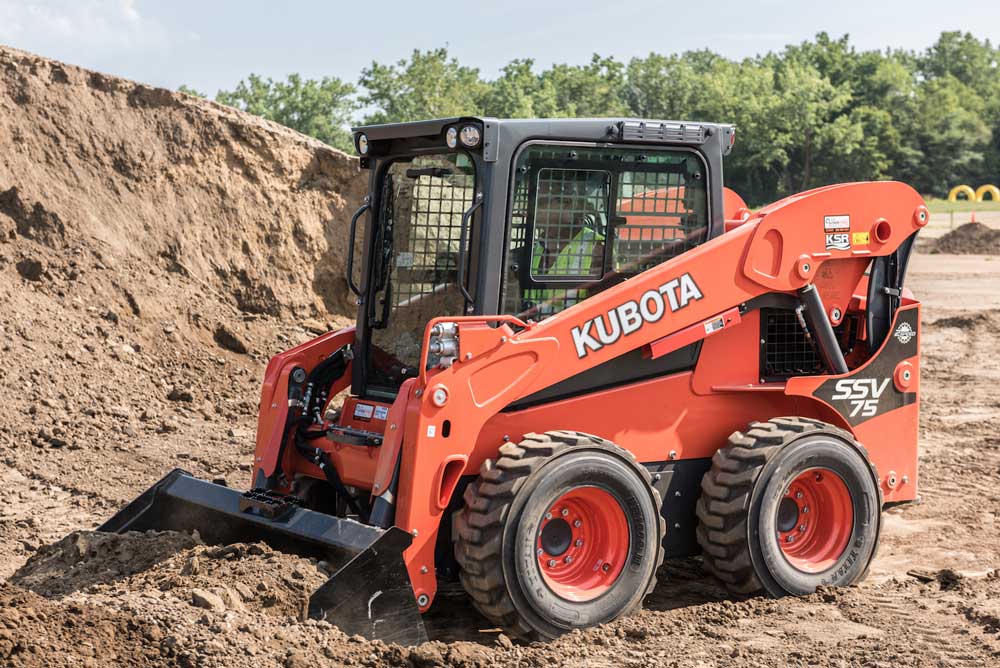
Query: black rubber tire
(740, 493)
(495, 532)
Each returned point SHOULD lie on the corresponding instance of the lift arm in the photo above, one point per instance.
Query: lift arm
(781, 249)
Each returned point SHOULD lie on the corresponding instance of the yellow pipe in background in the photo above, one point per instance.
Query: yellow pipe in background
(969, 193)
(990, 190)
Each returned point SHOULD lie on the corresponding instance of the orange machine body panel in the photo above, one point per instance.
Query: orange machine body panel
(448, 421)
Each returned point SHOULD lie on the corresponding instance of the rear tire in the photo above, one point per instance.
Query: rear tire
(789, 505)
(564, 531)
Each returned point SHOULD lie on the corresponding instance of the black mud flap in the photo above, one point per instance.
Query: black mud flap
(368, 595)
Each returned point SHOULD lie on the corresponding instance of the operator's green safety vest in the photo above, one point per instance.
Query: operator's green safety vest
(575, 259)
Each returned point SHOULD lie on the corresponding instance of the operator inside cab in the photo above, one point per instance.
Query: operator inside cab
(569, 235)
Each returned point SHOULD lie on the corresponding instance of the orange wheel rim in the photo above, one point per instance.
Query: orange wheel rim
(582, 543)
(815, 519)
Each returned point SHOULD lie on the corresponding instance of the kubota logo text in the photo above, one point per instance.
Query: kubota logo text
(862, 393)
(630, 316)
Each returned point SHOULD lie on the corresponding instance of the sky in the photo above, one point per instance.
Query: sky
(213, 44)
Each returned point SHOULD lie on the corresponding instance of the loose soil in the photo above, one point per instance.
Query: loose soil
(971, 238)
(156, 249)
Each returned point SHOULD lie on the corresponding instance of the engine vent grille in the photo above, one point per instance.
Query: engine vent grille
(785, 349)
(663, 132)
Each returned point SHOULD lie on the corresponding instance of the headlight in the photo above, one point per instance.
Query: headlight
(470, 135)
(363, 144)
(451, 137)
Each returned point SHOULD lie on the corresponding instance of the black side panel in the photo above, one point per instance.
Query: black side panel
(870, 391)
(627, 368)
(679, 485)
(885, 280)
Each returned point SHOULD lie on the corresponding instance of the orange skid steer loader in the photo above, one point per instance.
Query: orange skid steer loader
(576, 355)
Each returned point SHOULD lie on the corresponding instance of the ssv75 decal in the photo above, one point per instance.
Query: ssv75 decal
(869, 391)
(632, 315)
(862, 394)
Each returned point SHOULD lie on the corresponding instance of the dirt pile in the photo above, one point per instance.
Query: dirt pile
(971, 238)
(253, 210)
(155, 250)
(236, 577)
(163, 599)
(88, 558)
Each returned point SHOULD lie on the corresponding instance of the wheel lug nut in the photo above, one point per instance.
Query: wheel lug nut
(579, 542)
(548, 516)
(798, 495)
(564, 512)
(805, 509)
(802, 527)
(605, 567)
(568, 560)
(790, 539)
(577, 523)
(540, 552)
(552, 562)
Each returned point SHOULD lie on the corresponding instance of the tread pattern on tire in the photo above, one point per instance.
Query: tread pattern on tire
(480, 524)
(724, 507)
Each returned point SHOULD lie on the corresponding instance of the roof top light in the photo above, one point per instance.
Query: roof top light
(363, 144)
(470, 136)
(451, 137)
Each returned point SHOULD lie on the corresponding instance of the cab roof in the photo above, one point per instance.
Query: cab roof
(620, 129)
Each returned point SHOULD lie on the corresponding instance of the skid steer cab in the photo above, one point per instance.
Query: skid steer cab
(578, 354)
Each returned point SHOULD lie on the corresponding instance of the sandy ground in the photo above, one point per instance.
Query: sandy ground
(154, 607)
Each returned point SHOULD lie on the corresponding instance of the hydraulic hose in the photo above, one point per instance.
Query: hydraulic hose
(823, 334)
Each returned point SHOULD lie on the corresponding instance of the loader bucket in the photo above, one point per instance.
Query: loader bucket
(368, 595)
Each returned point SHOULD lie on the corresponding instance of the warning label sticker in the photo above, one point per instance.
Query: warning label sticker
(714, 325)
(363, 411)
(836, 223)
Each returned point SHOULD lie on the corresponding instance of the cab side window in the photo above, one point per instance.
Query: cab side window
(584, 219)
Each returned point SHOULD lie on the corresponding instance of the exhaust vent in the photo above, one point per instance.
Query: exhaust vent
(661, 131)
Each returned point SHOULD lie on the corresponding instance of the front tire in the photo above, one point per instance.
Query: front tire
(563, 531)
(789, 505)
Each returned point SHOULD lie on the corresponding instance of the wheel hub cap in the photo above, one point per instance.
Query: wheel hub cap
(582, 543)
(814, 520)
(557, 536)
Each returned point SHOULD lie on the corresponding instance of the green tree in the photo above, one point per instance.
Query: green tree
(428, 85)
(590, 90)
(814, 113)
(187, 90)
(962, 56)
(520, 93)
(318, 108)
(948, 135)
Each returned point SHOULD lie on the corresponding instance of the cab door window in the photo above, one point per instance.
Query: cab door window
(584, 219)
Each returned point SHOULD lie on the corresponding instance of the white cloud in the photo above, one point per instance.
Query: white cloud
(94, 25)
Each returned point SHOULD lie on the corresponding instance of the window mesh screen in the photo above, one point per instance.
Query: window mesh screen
(426, 257)
(585, 218)
(415, 248)
(660, 220)
(787, 349)
(571, 209)
(512, 300)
